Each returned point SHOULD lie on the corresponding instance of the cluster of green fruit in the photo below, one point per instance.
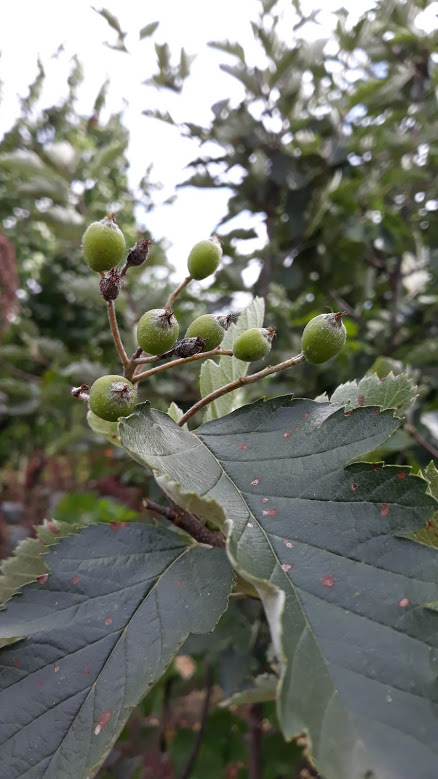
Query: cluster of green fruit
(104, 248)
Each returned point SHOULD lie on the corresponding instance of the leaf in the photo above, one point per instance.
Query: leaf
(108, 430)
(389, 392)
(214, 375)
(264, 690)
(148, 30)
(323, 544)
(175, 413)
(26, 563)
(111, 19)
(102, 630)
(236, 49)
(429, 533)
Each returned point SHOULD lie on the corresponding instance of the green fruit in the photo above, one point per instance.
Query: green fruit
(103, 244)
(208, 328)
(204, 258)
(157, 330)
(253, 344)
(323, 337)
(112, 397)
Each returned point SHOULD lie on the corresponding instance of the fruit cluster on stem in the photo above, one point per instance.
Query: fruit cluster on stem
(114, 396)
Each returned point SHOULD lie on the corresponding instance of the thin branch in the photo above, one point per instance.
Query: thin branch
(199, 736)
(180, 361)
(412, 430)
(171, 299)
(254, 741)
(116, 334)
(233, 385)
(188, 522)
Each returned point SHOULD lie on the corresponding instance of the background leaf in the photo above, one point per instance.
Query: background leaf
(214, 375)
(388, 392)
(102, 627)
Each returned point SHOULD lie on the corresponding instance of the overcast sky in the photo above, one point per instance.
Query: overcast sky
(190, 24)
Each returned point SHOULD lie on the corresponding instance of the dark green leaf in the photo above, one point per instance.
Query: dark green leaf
(102, 628)
(323, 544)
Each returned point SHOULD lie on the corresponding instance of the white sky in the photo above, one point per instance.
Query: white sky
(33, 28)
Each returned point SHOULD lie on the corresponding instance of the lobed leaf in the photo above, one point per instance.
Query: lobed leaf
(324, 544)
(101, 629)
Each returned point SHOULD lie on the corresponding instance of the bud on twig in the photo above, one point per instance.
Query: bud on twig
(81, 392)
(138, 254)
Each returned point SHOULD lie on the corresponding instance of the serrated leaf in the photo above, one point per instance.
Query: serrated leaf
(148, 30)
(429, 533)
(26, 563)
(229, 48)
(214, 375)
(324, 544)
(102, 629)
(175, 413)
(389, 392)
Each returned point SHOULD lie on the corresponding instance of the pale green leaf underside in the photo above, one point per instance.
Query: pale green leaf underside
(390, 392)
(214, 375)
(102, 629)
(343, 593)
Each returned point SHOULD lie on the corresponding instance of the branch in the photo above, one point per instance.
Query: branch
(188, 522)
(254, 741)
(180, 361)
(412, 430)
(171, 299)
(233, 385)
(115, 331)
(199, 736)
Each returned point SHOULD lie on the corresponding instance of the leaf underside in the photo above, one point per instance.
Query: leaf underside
(323, 543)
(102, 628)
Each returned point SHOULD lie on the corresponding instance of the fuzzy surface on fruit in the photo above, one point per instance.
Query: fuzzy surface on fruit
(112, 397)
(157, 330)
(204, 258)
(323, 337)
(254, 344)
(209, 328)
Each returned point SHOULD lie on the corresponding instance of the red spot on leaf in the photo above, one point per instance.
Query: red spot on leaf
(270, 512)
(402, 475)
(43, 578)
(117, 525)
(52, 527)
(348, 413)
(287, 435)
(404, 602)
(56, 669)
(108, 452)
(328, 581)
(376, 411)
(361, 400)
(40, 682)
(287, 566)
(289, 544)
(75, 580)
(256, 481)
(306, 414)
(384, 510)
(354, 486)
(296, 429)
(109, 621)
(103, 720)
(374, 467)
(264, 500)
(17, 663)
(86, 670)
(178, 584)
(383, 379)
(242, 446)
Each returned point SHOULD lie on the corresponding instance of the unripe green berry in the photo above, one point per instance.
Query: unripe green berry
(204, 258)
(323, 337)
(208, 328)
(103, 244)
(253, 344)
(112, 397)
(157, 330)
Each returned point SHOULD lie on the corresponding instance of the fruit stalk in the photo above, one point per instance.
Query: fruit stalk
(173, 296)
(115, 333)
(180, 361)
(233, 385)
